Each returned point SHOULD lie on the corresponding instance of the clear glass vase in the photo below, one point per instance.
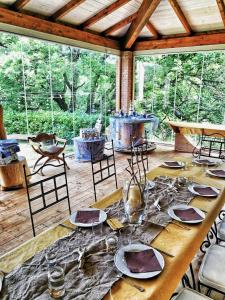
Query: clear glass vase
(133, 203)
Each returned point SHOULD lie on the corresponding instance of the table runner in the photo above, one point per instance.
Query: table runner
(29, 281)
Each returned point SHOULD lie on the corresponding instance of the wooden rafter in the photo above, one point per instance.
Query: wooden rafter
(120, 24)
(145, 11)
(179, 42)
(221, 7)
(152, 29)
(33, 23)
(105, 12)
(180, 15)
(66, 9)
(19, 4)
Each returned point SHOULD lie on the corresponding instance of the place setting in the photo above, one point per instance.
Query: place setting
(205, 162)
(203, 190)
(186, 214)
(173, 164)
(219, 173)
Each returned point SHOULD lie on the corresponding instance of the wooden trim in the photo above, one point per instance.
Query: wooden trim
(120, 24)
(19, 4)
(66, 9)
(221, 7)
(105, 12)
(179, 42)
(146, 10)
(152, 29)
(180, 15)
(32, 23)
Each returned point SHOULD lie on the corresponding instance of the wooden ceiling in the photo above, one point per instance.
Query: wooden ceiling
(122, 24)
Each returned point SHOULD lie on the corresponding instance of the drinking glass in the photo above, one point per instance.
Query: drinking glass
(50, 259)
(56, 284)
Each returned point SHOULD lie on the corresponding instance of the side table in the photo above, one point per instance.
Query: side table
(12, 175)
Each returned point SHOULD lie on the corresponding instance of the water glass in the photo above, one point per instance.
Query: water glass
(56, 284)
(50, 259)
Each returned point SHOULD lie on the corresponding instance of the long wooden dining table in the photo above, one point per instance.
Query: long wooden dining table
(181, 243)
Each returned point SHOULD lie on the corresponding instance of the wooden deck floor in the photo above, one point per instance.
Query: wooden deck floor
(15, 226)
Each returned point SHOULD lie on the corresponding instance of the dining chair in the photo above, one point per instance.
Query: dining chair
(210, 146)
(54, 187)
(189, 294)
(221, 230)
(139, 155)
(211, 273)
(103, 168)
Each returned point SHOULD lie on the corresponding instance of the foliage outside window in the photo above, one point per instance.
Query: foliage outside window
(47, 87)
(188, 87)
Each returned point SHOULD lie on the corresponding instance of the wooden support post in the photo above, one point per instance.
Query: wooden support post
(124, 81)
(2, 129)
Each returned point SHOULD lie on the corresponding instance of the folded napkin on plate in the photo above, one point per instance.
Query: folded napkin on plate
(218, 172)
(187, 214)
(205, 191)
(142, 261)
(87, 216)
(204, 161)
(172, 163)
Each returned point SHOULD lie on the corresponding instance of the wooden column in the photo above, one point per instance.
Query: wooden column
(124, 81)
(2, 129)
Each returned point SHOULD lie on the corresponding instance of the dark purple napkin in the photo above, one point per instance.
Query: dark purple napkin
(204, 161)
(205, 191)
(218, 172)
(172, 163)
(142, 261)
(187, 215)
(87, 216)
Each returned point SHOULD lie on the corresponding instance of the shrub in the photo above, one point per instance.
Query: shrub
(64, 124)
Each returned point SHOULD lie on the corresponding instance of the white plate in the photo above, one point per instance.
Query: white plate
(122, 266)
(149, 185)
(211, 174)
(210, 163)
(192, 190)
(102, 218)
(183, 206)
(181, 164)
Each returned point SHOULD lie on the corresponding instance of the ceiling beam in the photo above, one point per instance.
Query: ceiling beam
(180, 15)
(221, 7)
(33, 23)
(105, 12)
(179, 42)
(66, 9)
(145, 11)
(120, 24)
(19, 4)
(152, 29)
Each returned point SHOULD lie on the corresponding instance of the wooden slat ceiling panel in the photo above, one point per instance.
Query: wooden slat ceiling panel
(86, 10)
(7, 2)
(115, 17)
(203, 15)
(145, 33)
(43, 7)
(165, 20)
(121, 32)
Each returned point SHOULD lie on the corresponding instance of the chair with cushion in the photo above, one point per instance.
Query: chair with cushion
(188, 294)
(40, 144)
(211, 274)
